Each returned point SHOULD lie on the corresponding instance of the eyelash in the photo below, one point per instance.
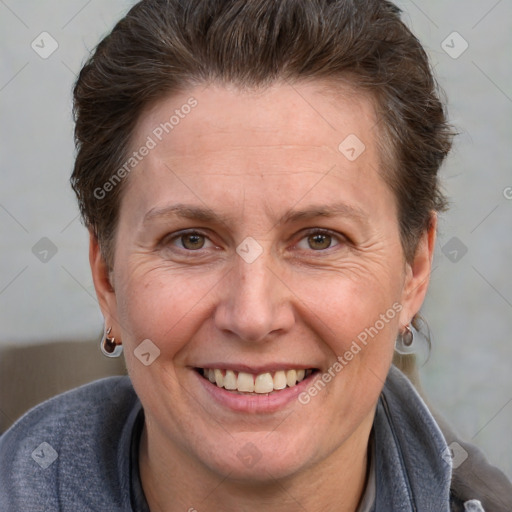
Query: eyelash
(337, 240)
(176, 237)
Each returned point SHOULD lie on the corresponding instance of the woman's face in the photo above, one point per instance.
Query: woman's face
(258, 237)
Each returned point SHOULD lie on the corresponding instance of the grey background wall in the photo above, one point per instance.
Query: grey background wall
(46, 291)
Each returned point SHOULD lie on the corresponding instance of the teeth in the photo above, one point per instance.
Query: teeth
(245, 382)
(291, 377)
(279, 380)
(219, 378)
(249, 383)
(264, 383)
(230, 380)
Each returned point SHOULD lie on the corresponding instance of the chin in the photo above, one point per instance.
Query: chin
(253, 460)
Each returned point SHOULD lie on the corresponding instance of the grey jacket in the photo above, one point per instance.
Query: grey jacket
(78, 453)
(424, 466)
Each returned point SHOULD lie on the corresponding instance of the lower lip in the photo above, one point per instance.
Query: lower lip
(255, 403)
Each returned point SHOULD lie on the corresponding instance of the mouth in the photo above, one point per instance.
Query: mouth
(244, 383)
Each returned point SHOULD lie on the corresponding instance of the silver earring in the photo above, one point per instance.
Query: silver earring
(108, 345)
(405, 341)
(415, 340)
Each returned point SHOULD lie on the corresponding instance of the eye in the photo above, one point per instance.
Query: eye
(318, 241)
(191, 241)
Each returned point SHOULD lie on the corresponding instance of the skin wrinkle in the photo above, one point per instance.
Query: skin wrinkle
(249, 173)
(288, 305)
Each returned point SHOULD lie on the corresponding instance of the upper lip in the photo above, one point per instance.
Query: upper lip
(256, 369)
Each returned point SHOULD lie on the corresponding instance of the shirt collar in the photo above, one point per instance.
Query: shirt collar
(412, 473)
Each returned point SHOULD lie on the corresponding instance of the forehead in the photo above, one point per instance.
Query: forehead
(229, 118)
(288, 135)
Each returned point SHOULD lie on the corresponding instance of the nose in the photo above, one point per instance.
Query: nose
(256, 303)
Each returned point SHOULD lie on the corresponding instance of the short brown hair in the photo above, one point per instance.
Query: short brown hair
(164, 46)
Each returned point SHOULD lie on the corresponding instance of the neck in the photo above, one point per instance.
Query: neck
(173, 482)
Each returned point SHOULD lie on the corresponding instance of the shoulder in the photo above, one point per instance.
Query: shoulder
(68, 446)
(474, 483)
(475, 480)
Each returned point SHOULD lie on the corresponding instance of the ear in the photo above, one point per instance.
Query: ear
(101, 275)
(418, 273)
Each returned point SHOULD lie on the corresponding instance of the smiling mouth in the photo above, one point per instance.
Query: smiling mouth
(249, 383)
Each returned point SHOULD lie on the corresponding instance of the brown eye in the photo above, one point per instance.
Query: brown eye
(192, 241)
(319, 241)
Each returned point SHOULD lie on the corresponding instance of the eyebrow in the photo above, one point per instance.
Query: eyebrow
(206, 215)
(334, 210)
(184, 211)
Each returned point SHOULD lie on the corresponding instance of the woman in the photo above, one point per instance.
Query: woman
(259, 180)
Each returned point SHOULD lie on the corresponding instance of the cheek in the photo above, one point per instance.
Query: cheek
(354, 301)
(166, 309)
(356, 318)
(164, 306)
(358, 328)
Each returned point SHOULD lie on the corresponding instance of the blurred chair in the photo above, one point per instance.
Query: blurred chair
(32, 374)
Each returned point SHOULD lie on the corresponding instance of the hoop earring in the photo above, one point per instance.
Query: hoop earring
(414, 340)
(108, 346)
(404, 343)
